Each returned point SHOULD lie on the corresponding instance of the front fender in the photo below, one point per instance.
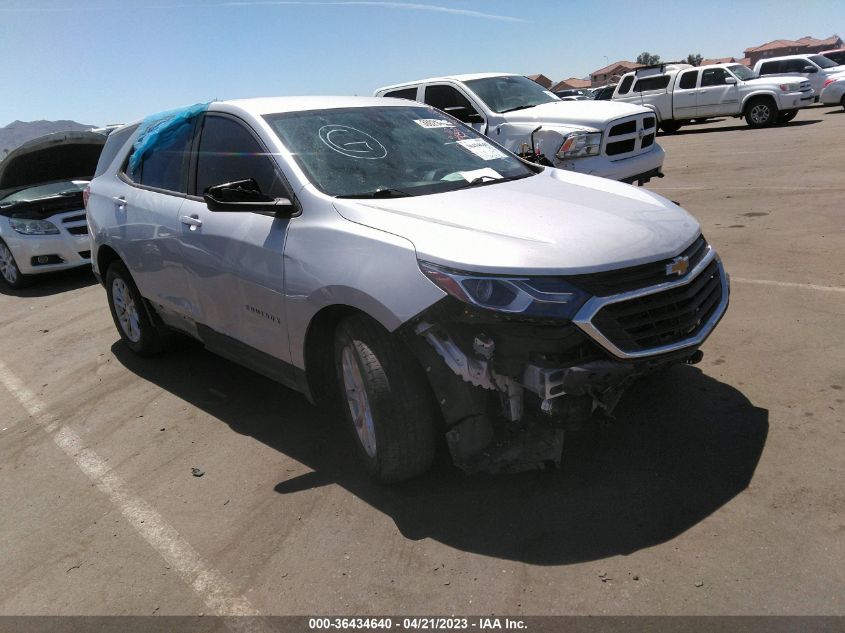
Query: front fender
(549, 139)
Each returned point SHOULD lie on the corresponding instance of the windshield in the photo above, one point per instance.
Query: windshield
(511, 92)
(43, 191)
(742, 73)
(391, 151)
(821, 61)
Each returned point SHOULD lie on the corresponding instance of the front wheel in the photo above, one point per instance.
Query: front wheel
(842, 102)
(131, 317)
(9, 270)
(389, 406)
(760, 112)
(786, 117)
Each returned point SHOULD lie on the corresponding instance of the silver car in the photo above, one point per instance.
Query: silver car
(382, 254)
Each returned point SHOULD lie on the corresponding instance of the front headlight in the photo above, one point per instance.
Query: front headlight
(25, 226)
(579, 145)
(790, 87)
(549, 297)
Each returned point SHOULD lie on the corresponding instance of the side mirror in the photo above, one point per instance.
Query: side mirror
(810, 69)
(244, 195)
(730, 81)
(464, 114)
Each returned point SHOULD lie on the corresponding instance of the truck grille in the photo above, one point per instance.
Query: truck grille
(630, 136)
(662, 318)
(614, 282)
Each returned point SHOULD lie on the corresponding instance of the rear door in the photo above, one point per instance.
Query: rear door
(235, 260)
(716, 97)
(685, 95)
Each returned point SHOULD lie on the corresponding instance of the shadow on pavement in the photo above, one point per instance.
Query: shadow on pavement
(684, 444)
(704, 129)
(53, 283)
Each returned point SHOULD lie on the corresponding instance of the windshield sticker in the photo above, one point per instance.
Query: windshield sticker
(351, 142)
(433, 123)
(482, 149)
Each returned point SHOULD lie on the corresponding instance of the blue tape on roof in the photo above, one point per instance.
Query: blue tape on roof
(159, 130)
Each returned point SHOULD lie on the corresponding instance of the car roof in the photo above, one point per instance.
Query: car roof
(462, 77)
(271, 105)
(776, 59)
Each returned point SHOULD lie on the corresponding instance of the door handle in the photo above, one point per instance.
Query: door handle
(191, 220)
(120, 201)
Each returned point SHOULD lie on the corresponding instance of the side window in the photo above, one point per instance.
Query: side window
(229, 152)
(114, 142)
(449, 100)
(795, 65)
(652, 83)
(404, 93)
(625, 87)
(770, 68)
(688, 79)
(713, 77)
(165, 165)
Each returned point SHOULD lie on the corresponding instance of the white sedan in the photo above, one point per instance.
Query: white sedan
(833, 92)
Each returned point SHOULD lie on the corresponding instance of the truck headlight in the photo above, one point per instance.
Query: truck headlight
(26, 226)
(579, 145)
(545, 297)
(790, 87)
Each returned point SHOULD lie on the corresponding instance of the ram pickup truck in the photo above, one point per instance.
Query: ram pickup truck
(679, 93)
(612, 140)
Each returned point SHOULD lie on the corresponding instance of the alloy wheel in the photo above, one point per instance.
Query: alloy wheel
(126, 310)
(357, 400)
(8, 267)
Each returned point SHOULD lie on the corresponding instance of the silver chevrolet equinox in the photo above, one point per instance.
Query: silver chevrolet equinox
(384, 258)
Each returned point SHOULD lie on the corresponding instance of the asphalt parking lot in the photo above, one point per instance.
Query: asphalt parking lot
(719, 490)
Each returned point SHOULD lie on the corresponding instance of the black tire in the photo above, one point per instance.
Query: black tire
(10, 274)
(842, 102)
(786, 116)
(400, 440)
(670, 126)
(145, 337)
(760, 112)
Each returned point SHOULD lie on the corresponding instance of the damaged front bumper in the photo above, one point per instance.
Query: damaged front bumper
(508, 388)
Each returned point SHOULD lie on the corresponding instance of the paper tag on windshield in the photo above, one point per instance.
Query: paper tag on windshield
(484, 173)
(433, 123)
(482, 149)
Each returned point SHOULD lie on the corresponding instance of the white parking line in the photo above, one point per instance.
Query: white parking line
(208, 583)
(787, 284)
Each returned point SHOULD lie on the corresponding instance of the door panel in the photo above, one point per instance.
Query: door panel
(715, 97)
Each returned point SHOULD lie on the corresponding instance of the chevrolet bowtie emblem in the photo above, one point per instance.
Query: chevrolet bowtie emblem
(678, 266)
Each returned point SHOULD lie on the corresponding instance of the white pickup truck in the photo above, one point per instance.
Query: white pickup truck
(679, 93)
(612, 140)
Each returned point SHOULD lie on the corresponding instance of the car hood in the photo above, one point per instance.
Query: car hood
(771, 81)
(556, 222)
(588, 113)
(57, 156)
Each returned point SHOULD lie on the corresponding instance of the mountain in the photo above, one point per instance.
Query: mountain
(19, 132)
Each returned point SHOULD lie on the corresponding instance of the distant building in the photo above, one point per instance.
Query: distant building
(611, 73)
(570, 84)
(726, 60)
(542, 80)
(805, 45)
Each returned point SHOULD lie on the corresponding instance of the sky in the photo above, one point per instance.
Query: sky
(105, 61)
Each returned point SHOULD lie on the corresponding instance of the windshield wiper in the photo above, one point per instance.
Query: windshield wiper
(522, 107)
(476, 182)
(380, 192)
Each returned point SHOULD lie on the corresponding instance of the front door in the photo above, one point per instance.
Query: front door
(716, 97)
(235, 260)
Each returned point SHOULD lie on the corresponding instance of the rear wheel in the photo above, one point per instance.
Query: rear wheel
(9, 270)
(786, 117)
(760, 112)
(670, 126)
(389, 406)
(131, 316)
(842, 102)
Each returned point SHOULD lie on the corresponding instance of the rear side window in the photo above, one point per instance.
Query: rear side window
(114, 142)
(625, 86)
(165, 165)
(713, 77)
(405, 93)
(770, 68)
(688, 79)
(229, 152)
(652, 83)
